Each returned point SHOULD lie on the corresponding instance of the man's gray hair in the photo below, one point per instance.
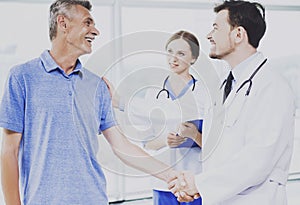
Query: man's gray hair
(62, 7)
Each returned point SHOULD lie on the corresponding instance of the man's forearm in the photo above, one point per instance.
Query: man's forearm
(9, 167)
(135, 157)
(10, 179)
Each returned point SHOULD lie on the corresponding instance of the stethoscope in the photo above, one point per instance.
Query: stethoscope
(247, 81)
(168, 92)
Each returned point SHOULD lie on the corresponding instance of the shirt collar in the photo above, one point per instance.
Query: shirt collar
(50, 64)
(243, 68)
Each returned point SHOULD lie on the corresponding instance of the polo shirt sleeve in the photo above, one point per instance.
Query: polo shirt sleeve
(13, 104)
(106, 112)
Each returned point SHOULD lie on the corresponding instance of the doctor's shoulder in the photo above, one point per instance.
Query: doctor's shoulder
(269, 79)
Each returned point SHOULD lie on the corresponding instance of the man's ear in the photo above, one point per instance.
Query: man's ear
(240, 34)
(62, 22)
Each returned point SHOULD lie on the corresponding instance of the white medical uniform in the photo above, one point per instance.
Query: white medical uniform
(250, 160)
(164, 115)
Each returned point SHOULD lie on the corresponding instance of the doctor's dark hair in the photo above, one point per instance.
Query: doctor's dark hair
(249, 15)
(62, 7)
(190, 38)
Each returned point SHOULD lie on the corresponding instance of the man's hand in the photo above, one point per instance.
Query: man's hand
(183, 187)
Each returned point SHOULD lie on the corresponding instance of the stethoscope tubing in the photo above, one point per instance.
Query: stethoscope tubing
(249, 80)
(168, 92)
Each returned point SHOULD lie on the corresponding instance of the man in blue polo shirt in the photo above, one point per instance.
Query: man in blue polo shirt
(51, 112)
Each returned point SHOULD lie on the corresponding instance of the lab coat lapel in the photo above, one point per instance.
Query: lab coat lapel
(241, 79)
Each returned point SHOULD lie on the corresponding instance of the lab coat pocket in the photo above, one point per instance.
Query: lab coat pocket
(234, 109)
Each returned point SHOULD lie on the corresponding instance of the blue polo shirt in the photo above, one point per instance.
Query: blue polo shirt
(59, 116)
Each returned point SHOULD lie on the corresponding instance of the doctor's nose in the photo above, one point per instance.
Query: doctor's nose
(209, 35)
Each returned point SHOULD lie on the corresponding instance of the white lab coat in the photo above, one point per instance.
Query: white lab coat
(247, 154)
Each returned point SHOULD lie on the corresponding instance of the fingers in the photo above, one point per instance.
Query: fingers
(183, 197)
(177, 182)
(197, 196)
(181, 179)
(172, 186)
(175, 140)
(180, 186)
(188, 130)
(172, 176)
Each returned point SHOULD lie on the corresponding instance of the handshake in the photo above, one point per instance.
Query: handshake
(182, 185)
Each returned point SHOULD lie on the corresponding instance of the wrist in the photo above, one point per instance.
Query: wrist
(198, 139)
(170, 175)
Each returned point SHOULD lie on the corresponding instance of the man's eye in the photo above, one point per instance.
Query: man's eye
(88, 23)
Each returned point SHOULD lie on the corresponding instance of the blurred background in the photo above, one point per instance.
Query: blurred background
(24, 35)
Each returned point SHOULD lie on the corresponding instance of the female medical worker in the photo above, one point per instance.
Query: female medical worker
(182, 99)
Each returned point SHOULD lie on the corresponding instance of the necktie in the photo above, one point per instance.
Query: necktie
(228, 85)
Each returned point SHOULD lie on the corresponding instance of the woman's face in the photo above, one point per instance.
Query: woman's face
(180, 56)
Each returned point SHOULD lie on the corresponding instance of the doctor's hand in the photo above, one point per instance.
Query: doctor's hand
(174, 140)
(189, 130)
(183, 187)
(113, 93)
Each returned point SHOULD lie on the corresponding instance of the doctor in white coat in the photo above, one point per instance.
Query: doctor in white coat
(247, 160)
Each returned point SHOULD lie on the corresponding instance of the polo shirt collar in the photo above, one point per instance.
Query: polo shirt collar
(50, 64)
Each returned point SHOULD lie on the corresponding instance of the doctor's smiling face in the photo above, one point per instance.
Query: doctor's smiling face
(221, 37)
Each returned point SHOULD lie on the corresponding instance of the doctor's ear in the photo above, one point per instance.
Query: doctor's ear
(240, 34)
